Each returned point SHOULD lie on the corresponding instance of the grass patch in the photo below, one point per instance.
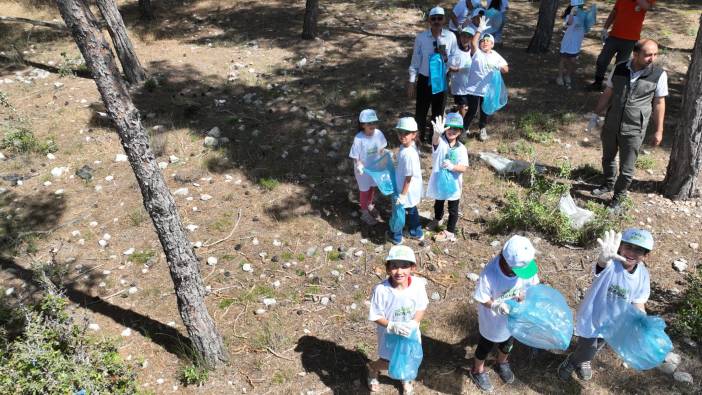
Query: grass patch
(137, 216)
(280, 377)
(689, 314)
(363, 348)
(272, 335)
(194, 375)
(141, 257)
(645, 162)
(18, 138)
(537, 127)
(158, 141)
(222, 224)
(286, 256)
(268, 184)
(334, 256)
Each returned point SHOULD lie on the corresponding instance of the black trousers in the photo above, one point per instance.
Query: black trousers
(485, 346)
(475, 104)
(425, 100)
(453, 213)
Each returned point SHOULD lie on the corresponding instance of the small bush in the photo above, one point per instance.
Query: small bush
(137, 217)
(19, 139)
(268, 184)
(69, 67)
(142, 257)
(689, 314)
(645, 162)
(194, 375)
(158, 142)
(538, 127)
(151, 84)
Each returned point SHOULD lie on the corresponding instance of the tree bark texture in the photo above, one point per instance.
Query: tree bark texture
(309, 26)
(125, 51)
(145, 8)
(158, 201)
(682, 176)
(541, 39)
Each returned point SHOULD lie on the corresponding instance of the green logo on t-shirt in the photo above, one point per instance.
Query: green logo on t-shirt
(403, 314)
(617, 291)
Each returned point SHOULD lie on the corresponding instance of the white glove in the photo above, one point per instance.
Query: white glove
(447, 165)
(396, 328)
(402, 200)
(410, 325)
(500, 308)
(593, 121)
(439, 126)
(605, 34)
(387, 151)
(359, 167)
(609, 245)
(483, 24)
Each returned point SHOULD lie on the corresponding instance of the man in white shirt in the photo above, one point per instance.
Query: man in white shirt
(434, 40)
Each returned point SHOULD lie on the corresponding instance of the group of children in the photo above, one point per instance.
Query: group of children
(399, 303)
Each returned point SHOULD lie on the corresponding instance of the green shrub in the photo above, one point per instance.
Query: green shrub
(19, 139)
(142, 257)
(268, 184)
(537, 127)
(194, 375)
(689, 314)
(51, 355)
(645, 162)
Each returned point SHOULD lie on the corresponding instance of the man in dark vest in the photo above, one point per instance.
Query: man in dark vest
(635, 91)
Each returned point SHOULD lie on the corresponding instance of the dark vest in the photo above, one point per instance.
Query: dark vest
(631, 104)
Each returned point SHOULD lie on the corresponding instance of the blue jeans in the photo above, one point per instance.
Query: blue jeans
(412, 222)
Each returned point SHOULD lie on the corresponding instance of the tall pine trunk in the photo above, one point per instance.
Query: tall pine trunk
(682, 177)
(125, 51)
(309, 26)
(158, 201)
(541, 39)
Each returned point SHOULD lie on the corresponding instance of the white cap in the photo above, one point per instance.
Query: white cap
(577, 2)
(367, 116)
(436, 11)
(519, 254)
(407, 124)
(401, 253)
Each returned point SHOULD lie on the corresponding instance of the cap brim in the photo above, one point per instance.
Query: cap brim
(526, 272)
(455, 126)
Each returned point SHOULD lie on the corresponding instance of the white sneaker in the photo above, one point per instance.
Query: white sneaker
(445, 236)
(483, 134)
(368, 218)
(559, 80)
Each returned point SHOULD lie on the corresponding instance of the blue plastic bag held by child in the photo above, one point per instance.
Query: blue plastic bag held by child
(496, 96)
(437, 73)
(495, 20)
(382, 172)
(397, 219)
(406, 356)
(446, 184)
(590, 18)
(639, 339)
(543, 320)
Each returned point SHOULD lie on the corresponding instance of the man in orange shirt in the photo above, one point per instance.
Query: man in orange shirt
(626, 20)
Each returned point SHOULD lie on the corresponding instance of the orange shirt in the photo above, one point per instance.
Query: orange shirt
(627, 20)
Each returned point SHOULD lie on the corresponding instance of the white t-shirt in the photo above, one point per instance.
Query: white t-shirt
(398, 305)
(483, 64)
(408, 165)
(367, 149)
(459, 79)
(458, 155)
(460, 10)
(612, 284)
(574, 34)
(661, 87)
(495, 285)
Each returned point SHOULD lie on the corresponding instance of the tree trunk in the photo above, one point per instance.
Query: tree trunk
(541, 39)
(125, 51)
(158, 201)
(309, 27)
(145, 8)
(681, 178)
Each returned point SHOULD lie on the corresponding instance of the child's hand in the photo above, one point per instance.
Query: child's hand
(500, 308)
(439, 126)
(483, 25)
(402, 200)
(359, 167)
(400, 328)
(609, 246)
(447, 165)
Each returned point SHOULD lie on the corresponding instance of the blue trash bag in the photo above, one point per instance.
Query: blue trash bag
(496, 96)
(397, 219)
(639, 339)
(495, 20)
(590, 18)
(446, 184)
(382, 172)
(406, 356)
(543, 320)
(437, 73)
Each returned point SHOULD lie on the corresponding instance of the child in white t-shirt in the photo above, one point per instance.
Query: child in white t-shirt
(397, 306)
(574, 21)
(367, 146)
(484, 62)
(447, 153)
(620, 275)
(459, 67)
(507, 276)
(408, 177)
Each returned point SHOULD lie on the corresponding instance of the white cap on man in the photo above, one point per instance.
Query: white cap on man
(436, 11)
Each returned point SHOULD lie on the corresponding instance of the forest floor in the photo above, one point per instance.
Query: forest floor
(281, 195)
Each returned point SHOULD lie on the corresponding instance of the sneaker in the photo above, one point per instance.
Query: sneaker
(445, 236)
(482, 380)
(368, 218)
(559, 80)
(595, 86)
(616, 205)
(483, 134)
(584, 371)
(394, 241)
(505, 373)
(565, 370)
(418, 235)
(407, 388)
(601, 190)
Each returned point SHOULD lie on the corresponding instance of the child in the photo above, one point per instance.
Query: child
(448, 153)
(505, 277)
(397, 306)
(571, 43)
(619, 274)
(367, 147)
(408, 177)
(484, 62)
(460, 69)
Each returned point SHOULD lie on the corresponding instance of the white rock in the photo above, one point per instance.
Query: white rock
(277, 243)
(9, 291)
(191, 227)
(75, 233)
(93, 224)
(128, 251)
(472, 276)
(102, 243)
(59, 192)
(673, 358)
(160, 381)
(50, 156)
(109, 178)
(127, 332)
(173, 159)
(132, 290)
(181, 192)
(214, 132)
(260, 311)
(683, 377)
(495, 243)
(667, 367)
(435, 296)
(276, 283)
(171, 324)
(205, 197)
(680, 265)
(47, 183)
(162, 165)
(120, 158)
(210, 142)
(255, 241)
(358, 253)
(364, 241)
(98, 188)
(197, 244)
(324, 301)
(354, 306)
(247, 267)
(335, 273)
(694, 246)
(211, 260)
(301, 63)
(58, 171)
(269, 302)
(94, 327)
(106, 237)
(328, 249)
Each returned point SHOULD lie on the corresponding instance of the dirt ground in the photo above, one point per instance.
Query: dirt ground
(282, 190)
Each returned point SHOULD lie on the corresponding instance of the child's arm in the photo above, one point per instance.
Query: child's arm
(382, 321)
(418, 316)
(640, 306)
(406, 185)
(504, 69)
